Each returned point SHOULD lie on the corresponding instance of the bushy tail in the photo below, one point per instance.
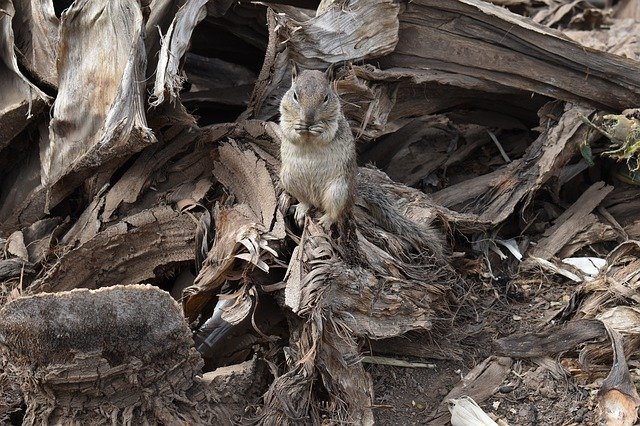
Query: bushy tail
(386, 214)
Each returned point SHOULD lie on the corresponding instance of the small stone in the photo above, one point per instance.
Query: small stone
(506, 389)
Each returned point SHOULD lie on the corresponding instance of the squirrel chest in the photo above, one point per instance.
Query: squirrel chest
(308, 171)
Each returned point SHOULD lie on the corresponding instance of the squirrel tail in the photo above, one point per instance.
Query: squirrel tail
(421, 236)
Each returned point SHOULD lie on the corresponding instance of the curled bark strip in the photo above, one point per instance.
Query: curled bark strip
(98, 116)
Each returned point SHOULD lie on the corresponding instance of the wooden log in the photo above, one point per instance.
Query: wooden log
(130, 251)
(480, 40)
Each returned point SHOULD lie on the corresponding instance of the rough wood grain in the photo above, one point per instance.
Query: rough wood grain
(174, 45)
(13, 268)
(139, 176)
(572, 221)
(122, 352)
(494, 196)
(480, 384)
(20, 98)
(98, 116)
(480, 40)
(551, 342)
(36, 37)
(123, 209)
(334, 35)
(134, 247)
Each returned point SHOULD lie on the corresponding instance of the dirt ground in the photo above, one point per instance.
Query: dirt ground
(530, 396)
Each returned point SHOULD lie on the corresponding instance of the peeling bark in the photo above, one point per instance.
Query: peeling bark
(135, 247)
(476, 39)
(36, 27)
(20, 99)
(98, 116)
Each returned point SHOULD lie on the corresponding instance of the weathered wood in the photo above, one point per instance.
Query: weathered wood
(13, 268)
(552, 341)
(443, 94)
(116, 353)
(333, 35)
(621, 38)
(493, 197)
(40, 237)
(130, 251)
(477, 39)
(623, 204)
(244, 232)
(174, 46)
(479, 384)
(98, 116)
(36, 37)
(597, 233)
(20, 97)
(213, 73)
(139, 176)
(410, 346)
(627, 9)
(572, 221)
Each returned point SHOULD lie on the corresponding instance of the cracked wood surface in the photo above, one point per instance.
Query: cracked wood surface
(128, 251)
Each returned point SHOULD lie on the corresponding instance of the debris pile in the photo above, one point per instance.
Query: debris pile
(139, 155)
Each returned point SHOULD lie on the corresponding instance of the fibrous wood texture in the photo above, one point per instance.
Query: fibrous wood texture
(139, 158)
(98, 116)
(472, 38)
(20, 97)
(36, 38)
(120, 354)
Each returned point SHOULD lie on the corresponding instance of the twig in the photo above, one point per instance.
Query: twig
(502, 152)
(381, 360)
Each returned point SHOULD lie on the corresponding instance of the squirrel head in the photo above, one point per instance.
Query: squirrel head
(310, 110)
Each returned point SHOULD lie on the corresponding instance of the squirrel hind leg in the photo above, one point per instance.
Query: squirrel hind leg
(300, 213)
(335, 200)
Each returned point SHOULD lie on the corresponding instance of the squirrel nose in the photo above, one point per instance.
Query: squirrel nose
(309, 118)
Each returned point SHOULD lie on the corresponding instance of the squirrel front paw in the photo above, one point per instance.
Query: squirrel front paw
(300, 213)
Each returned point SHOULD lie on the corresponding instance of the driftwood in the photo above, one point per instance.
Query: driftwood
(139, 145)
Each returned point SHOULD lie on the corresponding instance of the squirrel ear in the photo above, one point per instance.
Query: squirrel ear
(294, 70)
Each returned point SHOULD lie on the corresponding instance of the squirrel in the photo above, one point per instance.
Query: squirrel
(318, 162)
(318, 152)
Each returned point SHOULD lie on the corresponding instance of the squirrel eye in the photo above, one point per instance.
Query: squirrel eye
(295, 96)
(326, 98)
